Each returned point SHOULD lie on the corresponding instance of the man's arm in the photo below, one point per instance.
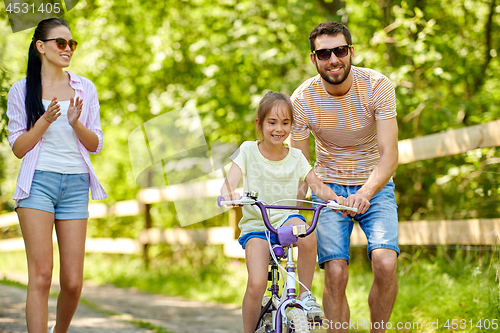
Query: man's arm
(304, 146)
(387, 139)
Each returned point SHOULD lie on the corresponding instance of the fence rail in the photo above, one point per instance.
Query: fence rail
(465, 232)
(449, 142)
(460, 232)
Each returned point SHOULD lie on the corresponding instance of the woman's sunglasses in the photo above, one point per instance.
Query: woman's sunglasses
(339, 51)
(62, 43)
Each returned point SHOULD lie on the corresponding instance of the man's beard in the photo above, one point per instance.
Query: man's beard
(335, 80)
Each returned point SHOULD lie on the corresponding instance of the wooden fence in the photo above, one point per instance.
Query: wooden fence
(464, 232)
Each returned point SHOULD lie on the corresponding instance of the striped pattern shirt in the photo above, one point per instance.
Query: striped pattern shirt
(344, 127)
(90, 118)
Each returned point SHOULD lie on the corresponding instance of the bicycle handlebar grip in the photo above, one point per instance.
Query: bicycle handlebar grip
(220, 201)
(334, 205)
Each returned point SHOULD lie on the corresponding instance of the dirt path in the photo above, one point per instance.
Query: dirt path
(85, 321)
(172, 314)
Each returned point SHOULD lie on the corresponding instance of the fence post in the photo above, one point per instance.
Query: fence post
(148, 223)
(235, 215)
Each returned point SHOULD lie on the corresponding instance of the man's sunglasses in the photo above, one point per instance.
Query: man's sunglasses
(339, 51)
(62, 43)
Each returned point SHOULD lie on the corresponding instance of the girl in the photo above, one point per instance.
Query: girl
(54, 123)
(274, 170)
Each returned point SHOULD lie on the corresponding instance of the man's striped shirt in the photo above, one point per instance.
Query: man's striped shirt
(344, 126)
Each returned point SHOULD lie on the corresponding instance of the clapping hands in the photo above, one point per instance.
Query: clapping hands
(53, 111)
(74, 111)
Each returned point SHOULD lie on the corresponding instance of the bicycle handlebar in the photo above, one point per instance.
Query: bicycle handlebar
(250, 201)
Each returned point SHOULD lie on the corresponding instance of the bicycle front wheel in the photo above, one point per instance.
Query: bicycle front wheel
(298, 321)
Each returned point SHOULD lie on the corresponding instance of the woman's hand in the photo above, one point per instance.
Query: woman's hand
(53, 111)
(74, 111)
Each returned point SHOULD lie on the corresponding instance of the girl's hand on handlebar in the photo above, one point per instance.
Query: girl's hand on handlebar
(230, 196)
(341, 201)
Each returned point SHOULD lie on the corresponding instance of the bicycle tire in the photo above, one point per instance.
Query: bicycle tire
(298, 321)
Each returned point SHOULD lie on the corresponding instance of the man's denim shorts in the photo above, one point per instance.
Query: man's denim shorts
(262, 234)
(379, 223)
(64, 195)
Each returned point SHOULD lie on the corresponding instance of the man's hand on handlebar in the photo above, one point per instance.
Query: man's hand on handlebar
(359, 201)
(340, 205)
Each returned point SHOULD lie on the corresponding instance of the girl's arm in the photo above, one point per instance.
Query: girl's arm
(322, 191)
(232, 179)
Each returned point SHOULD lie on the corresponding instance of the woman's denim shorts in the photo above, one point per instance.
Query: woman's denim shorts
(64, 195)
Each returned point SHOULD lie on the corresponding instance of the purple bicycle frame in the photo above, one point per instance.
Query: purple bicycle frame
(274, 289)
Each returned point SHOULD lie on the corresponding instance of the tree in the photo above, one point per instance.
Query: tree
(149, 58)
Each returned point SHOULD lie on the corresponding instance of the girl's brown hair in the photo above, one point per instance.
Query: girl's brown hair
(268, 102)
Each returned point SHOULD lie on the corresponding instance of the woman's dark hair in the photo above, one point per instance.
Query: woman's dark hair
(33, 101)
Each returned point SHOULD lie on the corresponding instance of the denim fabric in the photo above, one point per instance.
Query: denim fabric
(379, 223)
(64, 195)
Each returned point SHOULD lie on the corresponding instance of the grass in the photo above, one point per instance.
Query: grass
(442, 285)
(11, 283)
(436, 285)
(201, 273)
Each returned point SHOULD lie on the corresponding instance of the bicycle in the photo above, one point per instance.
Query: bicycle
(282, 311)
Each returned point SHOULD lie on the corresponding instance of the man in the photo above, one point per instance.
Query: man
(351, 112)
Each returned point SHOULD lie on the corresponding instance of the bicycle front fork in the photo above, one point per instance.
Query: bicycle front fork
(291, 294)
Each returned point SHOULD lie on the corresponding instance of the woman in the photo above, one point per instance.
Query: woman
(53, 124)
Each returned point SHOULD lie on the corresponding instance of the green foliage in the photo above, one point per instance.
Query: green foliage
(147, 59)
(8, 282)
(442, 58)
(3, 125)
(3, 107)
(448, 283)
(151, 58)
(149, 326)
